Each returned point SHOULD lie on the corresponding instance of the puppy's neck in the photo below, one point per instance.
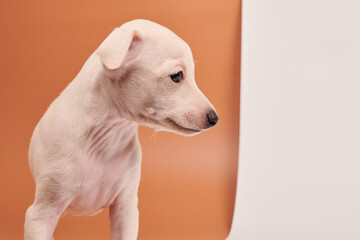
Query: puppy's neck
(87, 96)
(95, 93)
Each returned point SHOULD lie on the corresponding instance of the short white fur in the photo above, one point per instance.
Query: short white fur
(85, 153)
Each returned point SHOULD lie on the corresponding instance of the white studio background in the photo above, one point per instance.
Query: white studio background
(299, 166)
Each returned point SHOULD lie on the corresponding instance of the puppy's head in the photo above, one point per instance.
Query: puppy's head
(149, 77)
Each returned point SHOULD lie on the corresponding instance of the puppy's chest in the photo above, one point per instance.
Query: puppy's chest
(101, 182)
(110, 164)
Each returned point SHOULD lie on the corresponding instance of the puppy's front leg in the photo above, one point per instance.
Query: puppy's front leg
(40, 222)
(124, 217)
(42, 216)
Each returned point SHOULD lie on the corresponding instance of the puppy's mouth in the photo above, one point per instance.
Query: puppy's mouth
(169, 124)
(178, 127)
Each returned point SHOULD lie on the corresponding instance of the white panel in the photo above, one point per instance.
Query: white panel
(299, 169)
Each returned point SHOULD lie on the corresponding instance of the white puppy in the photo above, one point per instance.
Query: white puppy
(85, 154)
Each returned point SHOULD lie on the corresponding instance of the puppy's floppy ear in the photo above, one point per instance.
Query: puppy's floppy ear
(120, 44)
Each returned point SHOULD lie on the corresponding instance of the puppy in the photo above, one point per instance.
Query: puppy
(85, 153)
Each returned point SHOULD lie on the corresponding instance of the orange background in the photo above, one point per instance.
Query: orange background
(187, 189)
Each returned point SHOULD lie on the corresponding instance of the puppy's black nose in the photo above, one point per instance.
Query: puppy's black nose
(212, 118)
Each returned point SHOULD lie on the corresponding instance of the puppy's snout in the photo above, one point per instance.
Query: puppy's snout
(212, 118)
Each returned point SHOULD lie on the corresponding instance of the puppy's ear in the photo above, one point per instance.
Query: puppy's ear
(121, 44)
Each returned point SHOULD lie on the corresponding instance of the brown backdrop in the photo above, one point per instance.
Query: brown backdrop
(187, 188)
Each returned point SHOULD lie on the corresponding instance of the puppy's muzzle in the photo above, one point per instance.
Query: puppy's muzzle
(212, 118)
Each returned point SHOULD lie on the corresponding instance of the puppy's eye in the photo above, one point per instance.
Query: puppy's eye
(176, 77)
